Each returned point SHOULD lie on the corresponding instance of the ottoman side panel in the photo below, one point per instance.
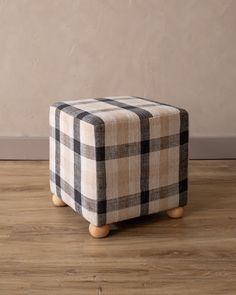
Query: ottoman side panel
(88, 173)
(52, 149)
(73, 158)
(61, 153)
(164, 159)
(174, 137)
(169, 157)
(80, 164)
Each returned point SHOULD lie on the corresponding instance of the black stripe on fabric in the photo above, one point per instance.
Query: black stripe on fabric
(101, 174)
(100, 153)
(102, 210)
(77, 146)
(57, 147)
(183, 158)
(183, 185)
(145, 146)
(183, 137)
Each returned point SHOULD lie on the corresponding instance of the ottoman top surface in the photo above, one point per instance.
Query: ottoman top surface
(98, 111)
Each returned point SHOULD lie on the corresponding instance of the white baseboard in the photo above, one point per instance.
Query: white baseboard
(36, 148)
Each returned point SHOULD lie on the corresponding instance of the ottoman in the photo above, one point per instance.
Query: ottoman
(116, 158)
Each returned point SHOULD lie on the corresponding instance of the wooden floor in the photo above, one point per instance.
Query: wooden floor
(47, 250)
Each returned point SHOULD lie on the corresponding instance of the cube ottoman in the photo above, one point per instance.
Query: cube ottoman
(116, 158)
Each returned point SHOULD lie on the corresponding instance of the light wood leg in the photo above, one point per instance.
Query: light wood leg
(99, 231)
(175, 212)
(58, 202)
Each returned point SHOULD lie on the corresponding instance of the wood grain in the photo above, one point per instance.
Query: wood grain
(48, 250)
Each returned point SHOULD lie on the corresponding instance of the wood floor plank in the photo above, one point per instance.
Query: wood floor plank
(47, 250)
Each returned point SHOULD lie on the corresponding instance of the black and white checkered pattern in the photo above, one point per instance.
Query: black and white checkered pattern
(116, 158)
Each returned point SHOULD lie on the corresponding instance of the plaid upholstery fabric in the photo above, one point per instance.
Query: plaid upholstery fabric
(116, 158)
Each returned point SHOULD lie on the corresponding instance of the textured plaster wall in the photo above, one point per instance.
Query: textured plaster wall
(179, 51)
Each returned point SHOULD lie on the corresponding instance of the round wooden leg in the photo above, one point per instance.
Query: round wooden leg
(176, 212)
(99, 231)
(58, 202)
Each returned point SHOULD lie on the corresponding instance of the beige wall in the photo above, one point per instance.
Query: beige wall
(179, 51)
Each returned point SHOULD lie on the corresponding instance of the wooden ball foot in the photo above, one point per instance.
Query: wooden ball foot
(176, 212)
(58, 202)
(99, 231)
